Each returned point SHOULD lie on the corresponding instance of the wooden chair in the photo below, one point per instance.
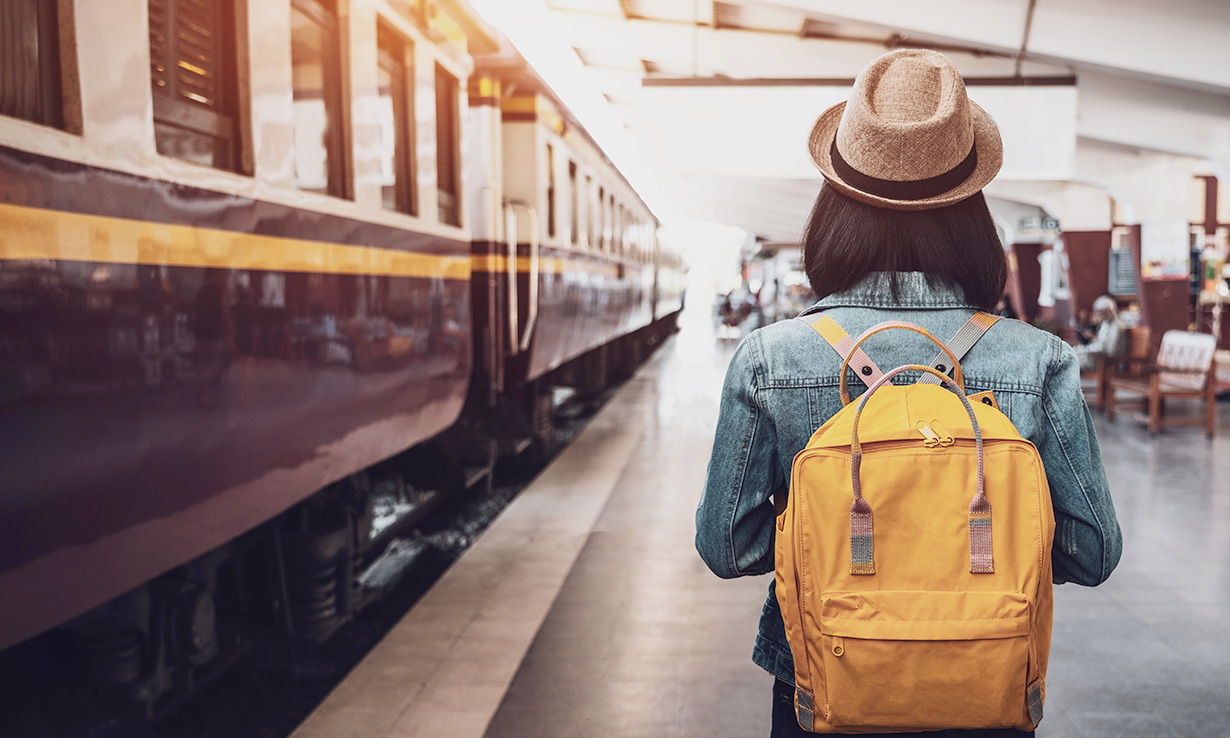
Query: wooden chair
(1184, 369)
(1135, 356)
(1095, 393)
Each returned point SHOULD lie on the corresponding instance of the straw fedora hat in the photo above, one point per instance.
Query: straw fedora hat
(909, 138)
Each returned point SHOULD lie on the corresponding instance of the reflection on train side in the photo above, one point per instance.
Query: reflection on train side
(74, 328)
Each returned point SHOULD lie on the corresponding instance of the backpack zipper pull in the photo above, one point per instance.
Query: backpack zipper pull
(839, 646)
(945, 438)
(930, 439)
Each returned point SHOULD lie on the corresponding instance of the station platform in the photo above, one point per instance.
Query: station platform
(585, 611)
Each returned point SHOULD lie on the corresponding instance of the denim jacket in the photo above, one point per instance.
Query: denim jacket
(782, 384)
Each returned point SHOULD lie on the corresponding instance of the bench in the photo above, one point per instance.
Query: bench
(1184, 369)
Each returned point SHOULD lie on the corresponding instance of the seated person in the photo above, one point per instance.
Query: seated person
(1108, 338)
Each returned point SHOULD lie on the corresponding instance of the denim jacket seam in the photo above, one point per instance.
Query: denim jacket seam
(753, 345)
(828, 381)
(1056, 357)
(992, 384)
(890, 305)
(749, 436)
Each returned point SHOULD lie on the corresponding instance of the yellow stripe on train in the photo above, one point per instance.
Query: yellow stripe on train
(34, 233)
(498, 263)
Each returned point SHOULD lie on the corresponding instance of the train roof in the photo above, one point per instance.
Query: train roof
(482, 37)
(508, 63)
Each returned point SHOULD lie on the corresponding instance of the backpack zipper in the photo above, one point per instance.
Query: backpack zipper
(900, 443)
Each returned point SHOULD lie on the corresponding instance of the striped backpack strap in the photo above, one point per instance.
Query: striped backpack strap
(960, 344)
(841, 342)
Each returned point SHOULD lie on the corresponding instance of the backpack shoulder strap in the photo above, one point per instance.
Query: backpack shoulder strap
(836, 336)
(960, 344)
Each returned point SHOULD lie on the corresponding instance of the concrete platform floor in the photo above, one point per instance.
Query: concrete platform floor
(584, 610)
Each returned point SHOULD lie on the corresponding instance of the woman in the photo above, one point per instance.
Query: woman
(900, 231)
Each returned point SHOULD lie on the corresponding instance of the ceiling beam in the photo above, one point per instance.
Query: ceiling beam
(1171, 43)
(742, 53)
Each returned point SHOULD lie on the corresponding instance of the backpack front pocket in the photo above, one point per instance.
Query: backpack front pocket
(924, 660)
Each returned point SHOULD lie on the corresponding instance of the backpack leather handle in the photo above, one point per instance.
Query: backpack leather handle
(845, 364)
(862, 543)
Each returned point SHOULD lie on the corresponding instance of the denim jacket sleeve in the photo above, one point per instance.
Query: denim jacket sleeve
(1088, 542)
(734, 521)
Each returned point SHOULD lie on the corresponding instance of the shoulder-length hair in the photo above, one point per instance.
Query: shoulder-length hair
(956, 245)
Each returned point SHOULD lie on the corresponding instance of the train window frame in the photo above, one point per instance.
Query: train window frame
(448, 203)
(324, 14)
(58, 83)
(574, 227)
(589, 212)
(573, 192)
(610, 222)
(621, 233)
(551, 191)
(599, 225)
(395, 55)
(182, 104)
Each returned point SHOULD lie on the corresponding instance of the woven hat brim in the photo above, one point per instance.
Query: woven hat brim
(987, 142)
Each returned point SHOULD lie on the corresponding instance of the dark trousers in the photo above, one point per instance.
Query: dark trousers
(786, 724)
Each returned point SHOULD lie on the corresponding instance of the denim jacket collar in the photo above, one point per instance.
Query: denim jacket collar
(914, 293)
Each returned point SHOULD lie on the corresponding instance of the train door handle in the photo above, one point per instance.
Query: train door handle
(510, 236)
(535, 243)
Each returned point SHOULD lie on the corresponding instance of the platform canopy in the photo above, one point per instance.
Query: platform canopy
(1095, 98)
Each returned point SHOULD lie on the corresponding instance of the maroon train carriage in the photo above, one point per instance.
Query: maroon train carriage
(565, 249)
(206, 336)
(159, 405)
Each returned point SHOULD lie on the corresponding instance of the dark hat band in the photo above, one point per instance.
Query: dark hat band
(916, 189)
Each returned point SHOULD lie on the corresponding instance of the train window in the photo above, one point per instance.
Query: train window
(194, 79)
(634, 238)
(591, 238)
(575, 225)
(609, 224)
(30, 86)
(395, 56)
(318, 112)
(447, 143)
(620, 227)
(599, 229)
(550, 191)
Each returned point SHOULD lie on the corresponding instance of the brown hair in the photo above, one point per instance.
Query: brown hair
(956, 245)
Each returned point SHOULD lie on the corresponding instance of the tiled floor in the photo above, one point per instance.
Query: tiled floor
(584, 611)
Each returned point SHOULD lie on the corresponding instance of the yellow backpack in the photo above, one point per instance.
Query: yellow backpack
(913, 560)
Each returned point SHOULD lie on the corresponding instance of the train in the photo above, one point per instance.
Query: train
(250, 250)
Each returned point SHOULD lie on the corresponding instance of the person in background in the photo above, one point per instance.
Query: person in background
(1105, 336)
